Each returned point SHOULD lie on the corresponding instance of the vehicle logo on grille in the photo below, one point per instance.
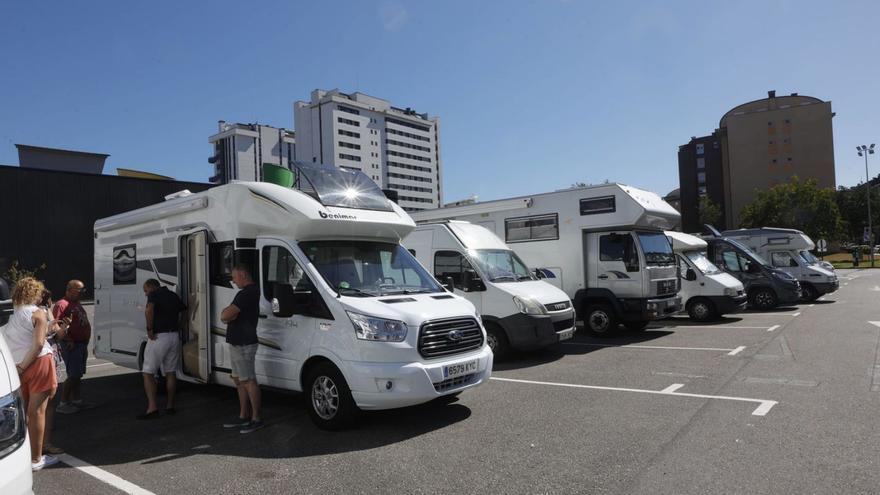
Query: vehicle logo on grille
(454, 335)
(558, 307)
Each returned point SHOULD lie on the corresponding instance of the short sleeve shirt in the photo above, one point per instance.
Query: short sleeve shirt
(80, 330)
(166, 310)
(243, 329)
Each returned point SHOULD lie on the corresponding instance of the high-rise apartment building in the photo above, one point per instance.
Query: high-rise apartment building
(398, 148)
(757, 145)
(240, 150)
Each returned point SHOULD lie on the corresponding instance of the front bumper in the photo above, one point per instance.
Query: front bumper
(726, 305)
(656, 309)
(413, 383)
(789, 294)
(530, 332)
(826, 287)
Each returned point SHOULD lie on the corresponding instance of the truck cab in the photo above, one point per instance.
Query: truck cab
(518, 310)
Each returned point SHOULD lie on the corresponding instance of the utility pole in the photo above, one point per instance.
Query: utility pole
(865, 151)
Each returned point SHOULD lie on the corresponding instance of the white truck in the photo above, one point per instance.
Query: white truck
(603, 245)
(519, 311)
(789, 251)
(707, 292)
(348, 316)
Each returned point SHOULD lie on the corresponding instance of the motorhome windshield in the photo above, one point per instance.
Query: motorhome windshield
(368, 269)
(809, 257)
(749, 252)
(657, 249)
(334, 186)
(501, 265)
(699, 259)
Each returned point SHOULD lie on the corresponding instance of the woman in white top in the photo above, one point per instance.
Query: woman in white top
(25, 334)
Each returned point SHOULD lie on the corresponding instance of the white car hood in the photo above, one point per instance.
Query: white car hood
(537, 290)
(726, 280)
(412, 309)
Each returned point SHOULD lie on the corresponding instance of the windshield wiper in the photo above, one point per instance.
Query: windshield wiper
(356, 291)
(524, 277)
(410, 291)
(502, 277)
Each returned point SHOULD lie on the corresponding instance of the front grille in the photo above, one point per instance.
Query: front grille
(563, 324)
(666, 287)
(560, 306)
(446, 337)
(458, 381)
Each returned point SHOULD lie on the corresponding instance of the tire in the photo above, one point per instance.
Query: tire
(764, 298)
(701, 310)
(636, 326)
(600, 320)
(809, 293)
(497, 340)
(328, 398)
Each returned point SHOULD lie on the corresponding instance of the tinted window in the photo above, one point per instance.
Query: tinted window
(619, 247)
(535, 228)
(451, 264)
(597, 205)
(782, 259)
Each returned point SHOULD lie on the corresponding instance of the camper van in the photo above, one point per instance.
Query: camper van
(347, 315)
(789, 251)
(707, 292)
(519, 311)
(766, 286)
(603, 245)
(16, 477)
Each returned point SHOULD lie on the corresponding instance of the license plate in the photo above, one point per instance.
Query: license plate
(459, 369)
(565, 335)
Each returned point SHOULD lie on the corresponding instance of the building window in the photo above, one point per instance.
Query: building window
(407, 166)
(349, 110)
(700, 148)
(409, 188)
(536, 228)
(409, 124)
(594, 206)
(353, 146)
(407, 145)
(701, 163)
(349, 157)
(701, 177)
(715, 144)
(342, 120)
(701, 190)
(349, 133)
(410, 156)
(407, 134)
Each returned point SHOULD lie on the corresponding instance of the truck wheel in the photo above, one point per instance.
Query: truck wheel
(497, 340)
(808, 292)
(701, 310)
(764, 298)
(636, 326)
(328, 398)
(600, 320)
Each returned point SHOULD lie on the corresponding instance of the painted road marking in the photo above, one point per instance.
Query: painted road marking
(672, 388)
(731, 352)
(774, 327)
(810, 305)
(102, 364)
(721, 327)
(107, 477)
(762, 409)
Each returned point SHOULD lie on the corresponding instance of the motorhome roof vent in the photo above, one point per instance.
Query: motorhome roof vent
(178, 194)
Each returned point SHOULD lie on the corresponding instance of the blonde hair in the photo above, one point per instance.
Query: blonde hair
(27, 291)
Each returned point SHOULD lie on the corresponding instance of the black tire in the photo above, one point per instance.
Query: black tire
(497, 340)
(764, 298)
(325, 389)
(636, 326)
(809, 293)
(600, 320)
(701, 310)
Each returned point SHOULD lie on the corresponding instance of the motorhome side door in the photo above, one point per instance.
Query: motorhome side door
(618, 268)
(195, 293)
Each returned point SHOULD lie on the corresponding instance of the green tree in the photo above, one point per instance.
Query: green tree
(853, 205)
(709, 212)
(796, 205)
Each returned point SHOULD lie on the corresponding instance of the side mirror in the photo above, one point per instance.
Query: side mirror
(472, 282)
(449, 285)
(690, 275)
(284, 302)
(539, 274)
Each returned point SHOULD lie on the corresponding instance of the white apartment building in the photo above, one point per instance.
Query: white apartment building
(398, 148)
(241, 149)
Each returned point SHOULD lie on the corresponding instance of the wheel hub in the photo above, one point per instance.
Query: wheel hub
(325, 397)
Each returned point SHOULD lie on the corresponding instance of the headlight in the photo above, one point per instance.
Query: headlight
(731, 291)
(784, 276)
(377, 329)
(527, 306)
(12, 423)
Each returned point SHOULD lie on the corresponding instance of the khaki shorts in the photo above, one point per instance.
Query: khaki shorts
(162, 354)
(244, 359)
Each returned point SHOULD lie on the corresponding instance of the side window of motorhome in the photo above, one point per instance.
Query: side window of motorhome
(537, 228)
(782, 259)
(598, 205)
(619, 247)
(222, 259)
(451, 264)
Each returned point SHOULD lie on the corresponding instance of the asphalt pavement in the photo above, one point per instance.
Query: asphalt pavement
(784, 401)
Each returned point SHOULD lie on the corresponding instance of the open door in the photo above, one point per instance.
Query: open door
(195, 292)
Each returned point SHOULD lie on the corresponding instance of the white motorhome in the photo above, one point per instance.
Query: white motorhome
(16, 477)
(707, 292)
(519, 311)
(789, 251)
(347, 315)
(603, 245)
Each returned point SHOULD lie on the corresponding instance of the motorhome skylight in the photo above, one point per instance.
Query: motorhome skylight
(334, 186)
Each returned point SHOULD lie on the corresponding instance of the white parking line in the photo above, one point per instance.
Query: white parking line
(774, 327)
(720, 327)
(762, 409)
(731, 352)
(107, 477)
(736, 351)
(102, 364)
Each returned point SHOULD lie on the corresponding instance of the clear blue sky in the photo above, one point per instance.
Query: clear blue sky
(532, 96)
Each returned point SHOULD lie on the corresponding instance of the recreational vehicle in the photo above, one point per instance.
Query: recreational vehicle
(519, 311)
(766, 286)
(603, 245)
(706, 291)
(789, 251)
(347, 315)
(16, 476)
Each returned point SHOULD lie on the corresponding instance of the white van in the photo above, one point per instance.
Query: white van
(789, 251)
(348, 315)
(519, 311)
(16, 477)
(707, 292)
(603, 245)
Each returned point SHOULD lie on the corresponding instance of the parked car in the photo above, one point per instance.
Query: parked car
(16, 477)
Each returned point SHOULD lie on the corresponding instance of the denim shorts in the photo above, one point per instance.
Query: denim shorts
(74, 356)
(243, 361)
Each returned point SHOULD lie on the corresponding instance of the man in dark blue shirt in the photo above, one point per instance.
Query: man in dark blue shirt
(163, 345)
(241, 319)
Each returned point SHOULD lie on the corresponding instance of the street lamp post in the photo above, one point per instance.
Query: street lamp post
(865, 151)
